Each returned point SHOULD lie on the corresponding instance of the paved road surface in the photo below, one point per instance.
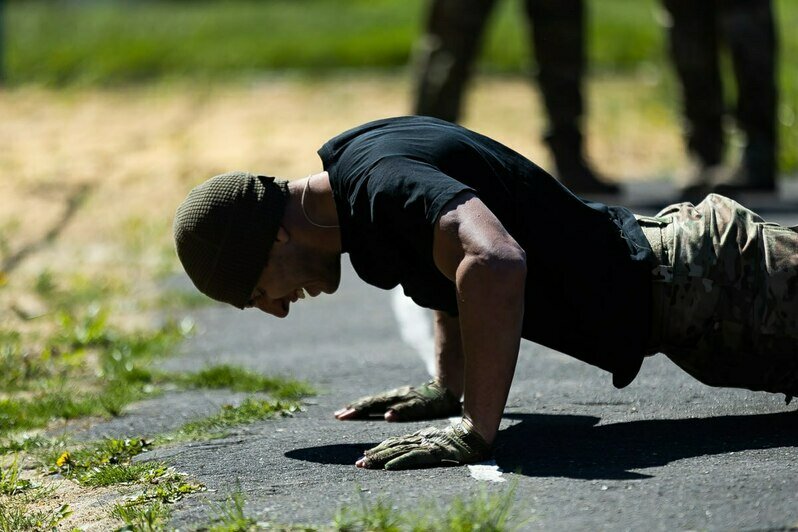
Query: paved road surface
(665, 453)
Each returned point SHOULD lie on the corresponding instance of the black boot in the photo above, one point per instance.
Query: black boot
(756, 173)
(700, 181)
(573, 170)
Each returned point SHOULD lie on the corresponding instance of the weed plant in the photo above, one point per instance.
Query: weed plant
(229, 516)
(252, 409)
(379, 515)
(117, 474)
(483, 512)
(10, 481)
(73, 361)
(106, 452)
(488, 512)
(15, 517)
(142, 518)
(27, 444)
(242, 380)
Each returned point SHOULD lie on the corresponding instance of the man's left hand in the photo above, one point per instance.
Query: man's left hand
(455, 445)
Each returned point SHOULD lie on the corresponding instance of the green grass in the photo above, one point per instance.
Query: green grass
(112, 42)
(166, 486)
(486, 512)
(16, 366)
(109, 451)
(109, 462)
(26, 444)
(117, 474)
(379, 515)
(10, 482)
(149, 511)
(229, 516)
(15, 517)
(142, 518)
(21, 414)
(54, 376)
(483, 512)
(243, 380)
(249, 411)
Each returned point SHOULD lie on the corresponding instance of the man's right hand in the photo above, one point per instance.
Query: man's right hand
(408, 403)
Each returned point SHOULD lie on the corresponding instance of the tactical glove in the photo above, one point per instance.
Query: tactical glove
(456, 444)
(409, 403)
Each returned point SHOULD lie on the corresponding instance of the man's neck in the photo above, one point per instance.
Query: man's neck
(315, 211)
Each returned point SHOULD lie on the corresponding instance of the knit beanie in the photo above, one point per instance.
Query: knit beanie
(224, 230)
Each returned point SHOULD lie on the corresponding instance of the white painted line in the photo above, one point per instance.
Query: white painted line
(415, 327)
(487, 471)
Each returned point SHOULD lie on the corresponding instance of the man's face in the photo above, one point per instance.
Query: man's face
(292, 271)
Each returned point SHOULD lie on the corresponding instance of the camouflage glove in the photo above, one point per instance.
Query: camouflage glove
(455, 445)
(409, 403)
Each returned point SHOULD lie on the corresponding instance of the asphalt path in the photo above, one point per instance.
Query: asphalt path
(664, 453)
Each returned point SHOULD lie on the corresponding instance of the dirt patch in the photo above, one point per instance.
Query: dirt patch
(91, 507)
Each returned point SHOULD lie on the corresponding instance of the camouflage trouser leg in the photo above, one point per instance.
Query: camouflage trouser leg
(726, 295)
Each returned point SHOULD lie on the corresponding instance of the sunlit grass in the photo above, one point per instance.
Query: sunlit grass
(21, 414)
(142, 518)
(482, 512)
(111, 42)
(76, 463)
(10, 481)
(249, 411)
(15, 517)
(50, 375)
(229, 515)
(243, 380)
(116, 474)
(485, 511)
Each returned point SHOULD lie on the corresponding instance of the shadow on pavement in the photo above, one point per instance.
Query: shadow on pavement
(570, 446)
(340, 454)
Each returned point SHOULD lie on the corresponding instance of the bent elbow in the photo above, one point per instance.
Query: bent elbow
(506, 263)
(511, 261)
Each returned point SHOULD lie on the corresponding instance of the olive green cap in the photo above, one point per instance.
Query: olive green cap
(224, 230)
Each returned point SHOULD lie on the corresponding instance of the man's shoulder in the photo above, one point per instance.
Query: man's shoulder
(399, 130)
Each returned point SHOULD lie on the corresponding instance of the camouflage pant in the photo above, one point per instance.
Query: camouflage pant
(725, 295)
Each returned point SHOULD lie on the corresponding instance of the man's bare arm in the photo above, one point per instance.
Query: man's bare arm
(449, 352)
(434, 399)
(473, 249)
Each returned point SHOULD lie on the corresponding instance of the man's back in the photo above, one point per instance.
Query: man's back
(587, 288)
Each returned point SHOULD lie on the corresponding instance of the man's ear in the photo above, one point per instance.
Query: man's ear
(282, 235)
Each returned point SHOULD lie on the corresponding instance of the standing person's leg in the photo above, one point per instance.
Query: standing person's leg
(749, 30)
(558, 37)
(726, 296)
(693, 45)
(446, 54)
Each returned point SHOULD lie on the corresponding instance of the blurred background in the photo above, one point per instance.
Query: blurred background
(89, 44)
